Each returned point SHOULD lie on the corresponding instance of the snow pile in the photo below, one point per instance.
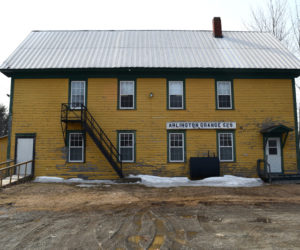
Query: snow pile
(223, 181)
(49, 179)
(156, 181)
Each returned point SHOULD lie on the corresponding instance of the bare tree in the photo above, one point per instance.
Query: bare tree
(273, 18)
(283, 21)
(295, 20)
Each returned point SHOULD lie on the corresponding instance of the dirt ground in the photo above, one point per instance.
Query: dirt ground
(131, 216)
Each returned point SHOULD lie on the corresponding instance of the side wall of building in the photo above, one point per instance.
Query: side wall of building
(3, 148)
(257, 103)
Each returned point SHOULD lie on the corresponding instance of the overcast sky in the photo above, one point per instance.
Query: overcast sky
(19, 17)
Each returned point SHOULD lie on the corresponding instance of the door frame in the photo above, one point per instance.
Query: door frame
(26, 135)
(266, 138)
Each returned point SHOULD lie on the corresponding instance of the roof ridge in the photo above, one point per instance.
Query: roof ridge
(142, 30)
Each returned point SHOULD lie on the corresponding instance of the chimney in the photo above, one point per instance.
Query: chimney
(217, 27)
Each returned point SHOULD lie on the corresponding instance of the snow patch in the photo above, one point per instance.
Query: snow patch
(156, 181)
(86, 185)
(48, 179)
(222, 181)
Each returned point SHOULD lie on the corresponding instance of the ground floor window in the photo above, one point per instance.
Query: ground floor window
(176, 146)
(226, 146)
(76, 147)
(126, 141)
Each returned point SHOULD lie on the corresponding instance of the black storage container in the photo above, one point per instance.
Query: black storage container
(203, 167)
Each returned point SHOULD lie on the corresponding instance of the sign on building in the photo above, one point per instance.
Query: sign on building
(201, 125)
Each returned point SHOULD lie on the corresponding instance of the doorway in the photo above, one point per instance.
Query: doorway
(273, 155)
(25, 145)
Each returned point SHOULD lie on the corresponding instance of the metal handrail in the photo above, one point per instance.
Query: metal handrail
(266, 173)
(102, 133)
(86, 117)
(9, 171)
(92, 122)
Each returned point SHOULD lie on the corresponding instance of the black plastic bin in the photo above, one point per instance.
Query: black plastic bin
(203, 167)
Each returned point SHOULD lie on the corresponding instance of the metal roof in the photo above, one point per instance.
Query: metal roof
(150, 49)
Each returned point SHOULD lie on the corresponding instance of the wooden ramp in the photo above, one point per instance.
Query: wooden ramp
(14, 174)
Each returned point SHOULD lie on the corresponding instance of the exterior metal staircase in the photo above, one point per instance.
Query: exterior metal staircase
(81, 114)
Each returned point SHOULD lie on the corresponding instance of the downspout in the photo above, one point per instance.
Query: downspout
(296, 122)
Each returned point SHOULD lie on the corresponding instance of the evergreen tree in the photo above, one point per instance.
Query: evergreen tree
(3, 120)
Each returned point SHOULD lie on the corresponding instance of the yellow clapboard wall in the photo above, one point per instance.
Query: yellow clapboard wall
(3, 149)
(257, 102)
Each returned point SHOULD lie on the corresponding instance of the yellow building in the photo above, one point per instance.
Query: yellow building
(3, 148)
(106, 104)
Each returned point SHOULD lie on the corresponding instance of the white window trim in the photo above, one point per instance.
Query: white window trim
(133, 107)
(69, 154)
(169, 96)
(219, 145)
(133, 145)
(84, 94)
(230, 86)
(183, 147)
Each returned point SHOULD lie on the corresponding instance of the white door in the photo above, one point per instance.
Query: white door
(273, 154)
(25, 153)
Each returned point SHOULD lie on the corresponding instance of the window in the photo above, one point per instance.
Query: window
(76, 147)
(272, 147)
(226, 147)
(224, 95)
(126, 146)
(127, 95)
(175, 95)
(78, 90)
(176, 147)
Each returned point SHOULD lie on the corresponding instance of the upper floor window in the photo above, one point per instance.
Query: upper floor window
(224, 95)
(176, 95)
(78, 93)
(76, 147)
(127, 95)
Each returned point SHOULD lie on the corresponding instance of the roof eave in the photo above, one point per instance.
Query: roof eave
(273, 73)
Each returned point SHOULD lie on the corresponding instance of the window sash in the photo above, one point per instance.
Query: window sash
(76, 147)
(175, 90)
(226, 146)
(127, 147)
(182, 147)
(272, 147)
(126, 91)
(224, 90)
(77, 94)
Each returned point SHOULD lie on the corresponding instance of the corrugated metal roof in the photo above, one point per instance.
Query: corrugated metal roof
(150, 49)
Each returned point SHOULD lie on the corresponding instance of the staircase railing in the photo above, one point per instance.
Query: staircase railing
(8, 162)
(81, 114)
(264, 174)
(11, 174)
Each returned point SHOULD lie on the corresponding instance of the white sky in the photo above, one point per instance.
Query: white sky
(19, 17)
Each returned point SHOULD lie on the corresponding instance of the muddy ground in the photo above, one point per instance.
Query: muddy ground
(61, 216)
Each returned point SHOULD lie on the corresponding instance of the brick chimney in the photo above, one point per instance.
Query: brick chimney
(217, 27)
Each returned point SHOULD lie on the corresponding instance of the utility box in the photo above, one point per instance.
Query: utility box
(203, 167)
